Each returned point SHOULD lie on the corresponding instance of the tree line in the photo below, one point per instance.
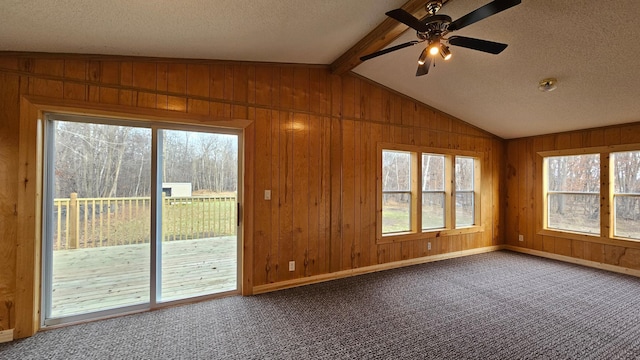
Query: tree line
(97, 160)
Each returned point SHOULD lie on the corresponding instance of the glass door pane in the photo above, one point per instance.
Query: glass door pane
(98, 218)
(198, 215)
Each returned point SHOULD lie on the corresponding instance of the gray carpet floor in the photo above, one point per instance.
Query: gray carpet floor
(499, 305)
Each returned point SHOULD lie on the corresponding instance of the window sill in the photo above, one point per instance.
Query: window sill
(568, 234)
(396, 238)
(615, 241)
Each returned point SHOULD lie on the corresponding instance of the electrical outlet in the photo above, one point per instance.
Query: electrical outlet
(292, 266)
(267, 194)
(520, 237)
(429, 245)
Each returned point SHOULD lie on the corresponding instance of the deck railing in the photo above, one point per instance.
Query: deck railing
(95, 222)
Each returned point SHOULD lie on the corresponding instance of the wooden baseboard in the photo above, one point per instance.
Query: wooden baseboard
(569, 259)
(369, 269)
(6, 335)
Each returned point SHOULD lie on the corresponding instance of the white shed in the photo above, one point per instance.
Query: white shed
(176, 189)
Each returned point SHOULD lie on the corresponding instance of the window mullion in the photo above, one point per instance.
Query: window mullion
(545, 193)
(449, 183)
(477, 208)
(607, 212)
(416, 192)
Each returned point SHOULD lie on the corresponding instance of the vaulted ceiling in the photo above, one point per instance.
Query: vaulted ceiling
(590, 46)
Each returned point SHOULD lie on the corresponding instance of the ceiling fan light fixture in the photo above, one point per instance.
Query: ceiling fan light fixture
(548, 84)
(434, 47)
(423, 57)
(444, 52)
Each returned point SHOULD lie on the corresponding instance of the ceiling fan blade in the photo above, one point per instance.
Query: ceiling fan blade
(408, 19)
(423, 69)
(477, 44)
(386, 51)
(484, 12)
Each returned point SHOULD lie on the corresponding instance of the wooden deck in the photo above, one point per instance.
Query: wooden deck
(88, 280)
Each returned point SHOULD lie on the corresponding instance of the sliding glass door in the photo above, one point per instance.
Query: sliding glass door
(199, 214)
(136, 216)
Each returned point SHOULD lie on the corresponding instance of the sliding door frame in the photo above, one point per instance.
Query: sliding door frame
(29, 251)
(47, 231)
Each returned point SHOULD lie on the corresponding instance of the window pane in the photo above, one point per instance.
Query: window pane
(464, 173)
(396, 171)
(626, 169)
(464, 209)
(433, 210)
(627, 217)
(627, 172)
(396, 215)
(579, 173)
(432, 172)
(574, 212)
(100, 217)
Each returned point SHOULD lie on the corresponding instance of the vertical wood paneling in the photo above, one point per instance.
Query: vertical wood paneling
(272, 258)
(301, 194)
(240, 91)
(9, 134)
(314, 145)
(217, 82)
(521, 153)
(314, 191)
(357, 194)
(512, 199)
(263, 177)
(367, 196)
(335, 245)
(161, 85)
(285, 241)
(248, 211)
(301, 89)
(348, 97)
(325, 220)
(286, 88)
(348, 194)
(109, 71)
(264, 75)
(126, 79)
(197, 86)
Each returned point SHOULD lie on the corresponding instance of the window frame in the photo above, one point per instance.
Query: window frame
(615, 194)
(606, 195)
(442, 192)
(412, 201)
(547, 192)
(417, 232)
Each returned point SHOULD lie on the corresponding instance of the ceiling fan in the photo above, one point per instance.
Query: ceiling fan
(433, 29)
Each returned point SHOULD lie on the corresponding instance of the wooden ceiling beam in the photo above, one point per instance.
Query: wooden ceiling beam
(378, 38)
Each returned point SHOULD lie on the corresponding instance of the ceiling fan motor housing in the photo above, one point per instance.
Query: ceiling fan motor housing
(438, 27)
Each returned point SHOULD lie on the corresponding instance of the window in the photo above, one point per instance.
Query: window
(592, 193)
(573, 193)
(626, 194)
(396, 191)
(433, 192)
(465, 198)
(424, 193)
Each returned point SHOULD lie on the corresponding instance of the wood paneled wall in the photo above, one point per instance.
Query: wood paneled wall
(312, 142)
(524, 184)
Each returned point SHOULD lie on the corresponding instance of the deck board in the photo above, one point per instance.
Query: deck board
(88, 280)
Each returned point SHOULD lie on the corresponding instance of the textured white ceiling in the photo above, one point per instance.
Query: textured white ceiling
(287, 31)
(591, 46)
